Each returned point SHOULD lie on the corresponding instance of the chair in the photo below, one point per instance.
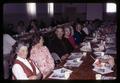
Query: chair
(56, 57)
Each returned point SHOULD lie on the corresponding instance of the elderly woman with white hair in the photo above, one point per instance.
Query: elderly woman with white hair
(23, 68)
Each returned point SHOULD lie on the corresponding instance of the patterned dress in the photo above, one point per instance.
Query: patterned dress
(43, 59)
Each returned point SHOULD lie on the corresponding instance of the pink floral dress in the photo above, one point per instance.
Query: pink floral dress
(43, 59)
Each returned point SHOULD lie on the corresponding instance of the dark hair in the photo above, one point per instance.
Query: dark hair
(68, 28)
(36, 38)
(59, 27)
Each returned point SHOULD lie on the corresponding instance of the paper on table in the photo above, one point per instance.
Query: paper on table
(102, 70)
(102, 61)
(102, 65)
(62, 70)
(89, 45)
(75, 55)
(105, 57)
(84, 43)
(63, 76)
(89, 37)
(94, 40)
(109, 40)
(98, 49)
(108, 78)
(109, 51)
(111, 46)
(72, 63)
(85, 48)
(99, 53)
(61, 73)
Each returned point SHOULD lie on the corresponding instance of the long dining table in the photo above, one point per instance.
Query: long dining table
(84, 71)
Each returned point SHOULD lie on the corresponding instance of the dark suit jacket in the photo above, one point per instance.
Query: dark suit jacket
(61, 46)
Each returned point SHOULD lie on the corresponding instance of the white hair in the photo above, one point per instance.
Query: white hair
(20, 47)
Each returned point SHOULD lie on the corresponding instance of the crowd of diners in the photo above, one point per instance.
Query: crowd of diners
(37, 60)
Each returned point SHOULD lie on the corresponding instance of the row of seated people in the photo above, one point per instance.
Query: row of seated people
(19, 61)
(65, 47)
(22, 27)
(32, 25)
(41, 56)
(63, 43)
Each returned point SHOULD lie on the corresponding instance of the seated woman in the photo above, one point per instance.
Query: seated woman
(69, 36)
(79, 34)
(42, 57)
(23, 68)
(85, 29)
(61, 45)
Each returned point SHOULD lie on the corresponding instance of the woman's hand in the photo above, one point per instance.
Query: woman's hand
(64, 56)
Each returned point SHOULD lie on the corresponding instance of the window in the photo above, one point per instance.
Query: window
(111, 7)
(51, 9)
(31, 9)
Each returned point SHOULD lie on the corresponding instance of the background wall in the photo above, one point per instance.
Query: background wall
(95, 11)
(108, 16)
(75, 10)
(13, 12)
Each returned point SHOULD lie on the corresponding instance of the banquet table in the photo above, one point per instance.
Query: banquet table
(84, 71)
